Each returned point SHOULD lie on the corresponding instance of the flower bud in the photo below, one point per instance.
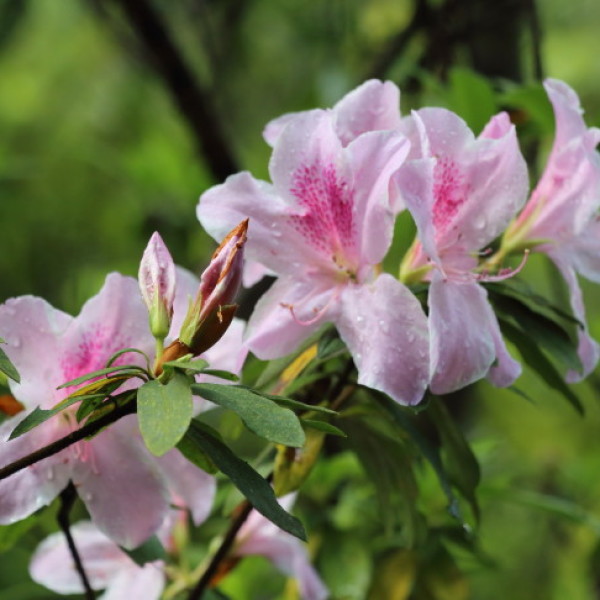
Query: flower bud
(211, 312)
(157, 284)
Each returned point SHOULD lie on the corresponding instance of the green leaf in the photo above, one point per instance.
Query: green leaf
(545, 331)
(254, 487)
(406, 421)
(151, 550)
(521, 291)
(330, 345)
(472, 97)
(323, 426)
(296, 405)
(262, 416)
(116, 355)
(122, 370)
(197, 365)
(39, 415)
(11, 534)
(164, 412)
(536, 360)
(461, 464)
(7, 367)
(222, 374)
(388, 463)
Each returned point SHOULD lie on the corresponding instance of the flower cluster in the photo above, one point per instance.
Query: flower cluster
(324, 225)
(322, 228)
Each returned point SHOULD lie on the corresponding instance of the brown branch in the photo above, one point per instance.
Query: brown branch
(67, 498)
(178, 77)
(70, 439)
(222, 552)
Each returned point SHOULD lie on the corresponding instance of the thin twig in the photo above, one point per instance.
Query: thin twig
(222, 552)
(179, 78)
(70, 439)
(67, 498)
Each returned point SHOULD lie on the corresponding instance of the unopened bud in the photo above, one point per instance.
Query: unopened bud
(212, 311)
(157, 284)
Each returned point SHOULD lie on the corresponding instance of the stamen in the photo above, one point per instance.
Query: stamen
(504, 273)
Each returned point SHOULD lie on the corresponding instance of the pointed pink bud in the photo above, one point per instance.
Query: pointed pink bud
(157, 284)
(212, 311)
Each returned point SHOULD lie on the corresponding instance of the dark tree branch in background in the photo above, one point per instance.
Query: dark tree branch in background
(178, 77)
(67, 499)
(221, 554)
(64, 442)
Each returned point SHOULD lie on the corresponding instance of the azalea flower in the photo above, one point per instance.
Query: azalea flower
(372, 106)
(258, 536)
(561, 217)
(462, 191)
(323, 227)
(113, 469)
(106, 565)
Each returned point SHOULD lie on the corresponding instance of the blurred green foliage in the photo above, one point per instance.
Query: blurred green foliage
(94, 157)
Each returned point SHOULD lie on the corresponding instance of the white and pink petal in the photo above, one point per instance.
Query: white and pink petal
(121, 486)
(385, 329)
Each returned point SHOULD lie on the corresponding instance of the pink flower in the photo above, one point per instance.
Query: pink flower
(462, 191)
(113, 470)
(258, 536)
(561, 217)
(157, 285)
(106, 566)
(323, 226)
(372, 106)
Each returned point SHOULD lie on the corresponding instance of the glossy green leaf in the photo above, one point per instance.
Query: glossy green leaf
(254, 487)
(388, 463)
(7, 367)
(39, 415)
(546, 332)
(472, 97)
(407, 422)
(198, 365)
(164, 412)
(297, 405)
(130, 370)
(262, 416)
(323, 426)
(461, 464)
(120, 353)
(221, 374)
(537, 360)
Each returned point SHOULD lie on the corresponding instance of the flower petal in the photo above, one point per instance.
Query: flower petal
(462, 344)
(273, 331)
(374, 158)
(186, 481)
(186, 288)
(35, 486)
(272, 239)
(385, 329)
(588, 349)
(114, 319)
(372, 106)
(116, 473)
(31, 328)
(289, 556)
(52, 564)
(568, 192)
(273, 128)
(145, 582)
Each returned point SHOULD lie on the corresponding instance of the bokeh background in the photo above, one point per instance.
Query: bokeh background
(116, 115)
